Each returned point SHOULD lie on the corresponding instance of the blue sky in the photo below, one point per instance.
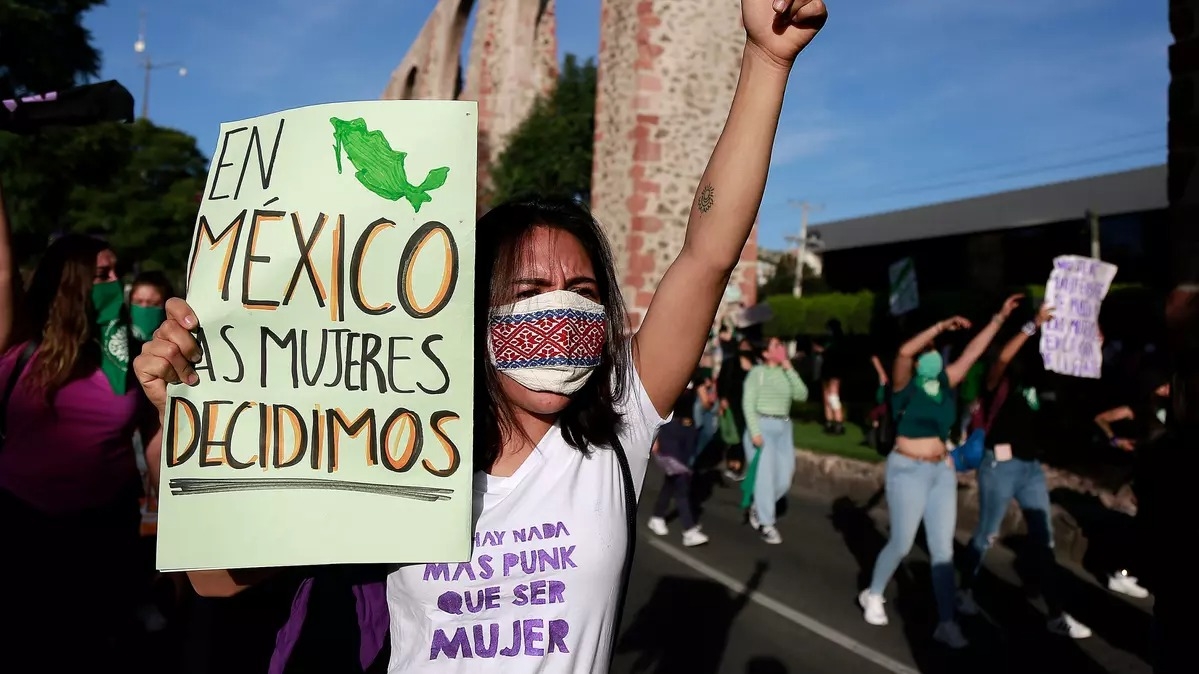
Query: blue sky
(898, 102)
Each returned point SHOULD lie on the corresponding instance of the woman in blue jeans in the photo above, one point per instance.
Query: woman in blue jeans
(770, 389)
(921, 482)
(1011, 468)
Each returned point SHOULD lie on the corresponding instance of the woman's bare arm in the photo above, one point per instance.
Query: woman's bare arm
(726, 203)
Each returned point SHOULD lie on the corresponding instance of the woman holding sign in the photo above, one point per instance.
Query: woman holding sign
(1011, 469)
(562, 451)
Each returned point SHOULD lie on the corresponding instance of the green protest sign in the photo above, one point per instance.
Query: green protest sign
(332, 273)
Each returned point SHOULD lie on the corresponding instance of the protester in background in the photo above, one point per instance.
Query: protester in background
(147, 303)
(730, 386)
(705, 411)
(148, 295)
(1130, 427)
(69, 484)
(770, 390)
(552, 441)
(921, 484)
(1011, 468)
(833, 368)
(879, 416)
(675, 449)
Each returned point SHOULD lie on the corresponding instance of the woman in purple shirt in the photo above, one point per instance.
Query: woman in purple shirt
(69, 483)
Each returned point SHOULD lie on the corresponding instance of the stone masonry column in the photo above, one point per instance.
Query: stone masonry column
(513, 60)
(667, 72)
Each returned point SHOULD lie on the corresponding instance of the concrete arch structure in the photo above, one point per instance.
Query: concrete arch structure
(512, 60)
(667, 71)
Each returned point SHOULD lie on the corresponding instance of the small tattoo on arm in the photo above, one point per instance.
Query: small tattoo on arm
(706, 197)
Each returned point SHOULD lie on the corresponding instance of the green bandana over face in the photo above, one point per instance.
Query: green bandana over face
(929, 367)
(145, 321)
(108, 299)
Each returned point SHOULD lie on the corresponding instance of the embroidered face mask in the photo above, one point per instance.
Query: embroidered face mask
(550, 343)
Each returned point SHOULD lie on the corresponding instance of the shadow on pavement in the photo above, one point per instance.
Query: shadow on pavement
(684, 626)
(1010, 634)
(1118, 620)
(765, 665)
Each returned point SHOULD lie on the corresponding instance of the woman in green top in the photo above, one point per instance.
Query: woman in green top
(770, 389)
(921, 484)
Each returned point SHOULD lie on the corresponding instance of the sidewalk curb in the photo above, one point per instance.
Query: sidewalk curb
(837, 476)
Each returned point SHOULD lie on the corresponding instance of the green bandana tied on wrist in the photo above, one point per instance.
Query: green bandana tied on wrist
(108, 300)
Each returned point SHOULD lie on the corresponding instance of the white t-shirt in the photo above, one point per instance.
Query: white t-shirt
(540, 592)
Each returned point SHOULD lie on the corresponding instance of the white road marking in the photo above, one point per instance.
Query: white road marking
(805, 621)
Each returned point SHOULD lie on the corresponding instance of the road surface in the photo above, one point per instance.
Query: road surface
(737, 605)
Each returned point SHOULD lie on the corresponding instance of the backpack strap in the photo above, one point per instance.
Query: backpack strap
(18, 368)
(630, 509)
(996, 402)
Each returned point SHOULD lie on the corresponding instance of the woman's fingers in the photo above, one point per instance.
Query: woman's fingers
(169, 363)
(179, 311)
(171, 331)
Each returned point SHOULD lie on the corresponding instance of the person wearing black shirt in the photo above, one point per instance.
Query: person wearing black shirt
(1131, 427)
(833, 369)
(730, 385)
(1011, 468)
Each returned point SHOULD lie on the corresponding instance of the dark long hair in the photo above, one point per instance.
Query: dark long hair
(58, 311)
(501, 238)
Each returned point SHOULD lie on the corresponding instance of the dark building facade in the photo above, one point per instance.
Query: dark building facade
(1008, 239)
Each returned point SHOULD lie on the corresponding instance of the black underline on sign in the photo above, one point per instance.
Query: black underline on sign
(182, 486)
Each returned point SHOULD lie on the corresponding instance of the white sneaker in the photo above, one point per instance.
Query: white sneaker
(658, 526)
(693, 537)
(753, 519)
(950, 634)
(872, 608)
(1126, 584)
(966, 604)
(771, 535)
(1066, 626)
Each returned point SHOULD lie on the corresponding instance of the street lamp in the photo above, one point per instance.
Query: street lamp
(149, 66)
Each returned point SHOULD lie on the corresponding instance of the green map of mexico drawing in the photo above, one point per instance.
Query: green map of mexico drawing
(381, 168)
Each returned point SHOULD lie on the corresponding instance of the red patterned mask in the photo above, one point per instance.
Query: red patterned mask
(550, 343)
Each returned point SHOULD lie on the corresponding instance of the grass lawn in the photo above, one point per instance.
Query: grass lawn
(810, 435)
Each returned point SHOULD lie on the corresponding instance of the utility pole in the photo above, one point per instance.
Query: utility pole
(805, 209)
(148, 64)
(1093, 222)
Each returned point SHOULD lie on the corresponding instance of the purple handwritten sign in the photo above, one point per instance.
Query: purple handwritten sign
(1070, 343)
(480, 595)
(11, 104)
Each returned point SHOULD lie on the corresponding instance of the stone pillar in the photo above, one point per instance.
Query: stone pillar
(667, 72)
(431, 70)
(513, 59)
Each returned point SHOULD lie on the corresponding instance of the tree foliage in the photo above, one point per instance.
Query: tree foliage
(137, 184)
(44, 46)
(550, 153)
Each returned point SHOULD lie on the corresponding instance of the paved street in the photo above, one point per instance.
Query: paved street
(689, 609)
